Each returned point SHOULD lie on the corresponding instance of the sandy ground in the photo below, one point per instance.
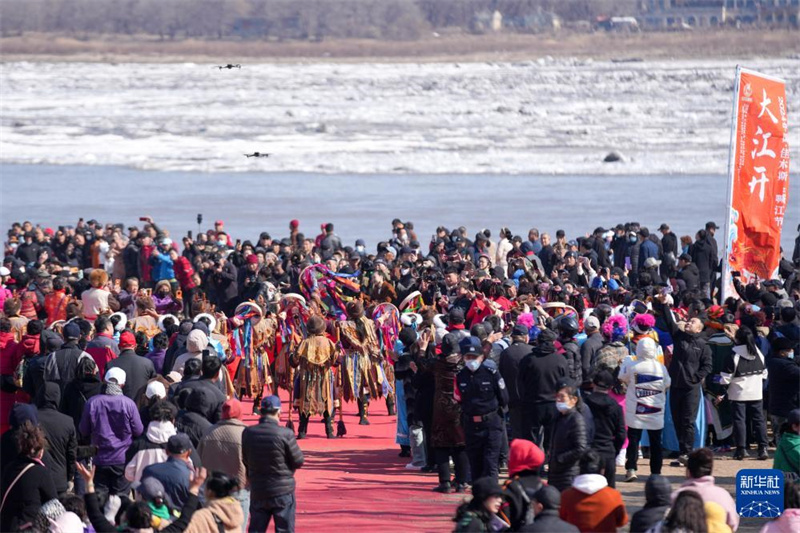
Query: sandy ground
(725, 470)
(457, 47)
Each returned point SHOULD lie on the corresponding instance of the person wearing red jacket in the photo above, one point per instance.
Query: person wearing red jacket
(9, 359)
(184, 273)
(144, 261)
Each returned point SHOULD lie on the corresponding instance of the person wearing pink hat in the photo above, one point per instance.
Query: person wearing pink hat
(220, 450)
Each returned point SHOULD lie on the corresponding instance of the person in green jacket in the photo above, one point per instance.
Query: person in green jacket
(787, 456)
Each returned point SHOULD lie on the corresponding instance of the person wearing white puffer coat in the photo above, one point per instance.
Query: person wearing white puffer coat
(647, 382)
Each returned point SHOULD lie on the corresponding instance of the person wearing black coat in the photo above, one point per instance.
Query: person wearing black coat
(657, 493)
(208, 382)
(192, 420)
(78, 391)
(271, 456)
(510, 360)
(537, 383)
(130, 257)
(589, 348)
(783, 384)
(60, 365)
(33, 378)
(688, 272)
(619, 245)
(177, 345)
(569, 439)
(425, 383)
(546, 503)
(138, 370)
(61, 437)
(224, 280)
(23, 498)
(702, 254)
(669, 241)
(690, 364)
(609, 424)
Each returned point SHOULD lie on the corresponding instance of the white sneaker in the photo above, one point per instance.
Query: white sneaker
(412, 466)
(630, 475)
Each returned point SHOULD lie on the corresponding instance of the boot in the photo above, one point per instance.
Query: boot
(416, 438)
(303, 429)
(390, 405)
(329, 426)
(363, 412)
(444, 488)
(740, 454)
(762, 453)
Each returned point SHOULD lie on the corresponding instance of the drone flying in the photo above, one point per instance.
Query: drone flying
(256, 154)
(229, 66)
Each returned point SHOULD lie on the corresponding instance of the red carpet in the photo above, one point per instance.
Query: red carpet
(359, 484)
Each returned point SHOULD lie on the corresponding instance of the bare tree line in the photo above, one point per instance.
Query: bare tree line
(274, 19)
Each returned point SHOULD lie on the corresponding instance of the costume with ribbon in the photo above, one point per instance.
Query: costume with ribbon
(334, 289)
(362, 375)
(251, 344)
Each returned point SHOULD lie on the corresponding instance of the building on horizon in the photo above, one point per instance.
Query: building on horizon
(691, 14)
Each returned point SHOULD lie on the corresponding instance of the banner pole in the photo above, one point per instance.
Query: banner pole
(725, 282)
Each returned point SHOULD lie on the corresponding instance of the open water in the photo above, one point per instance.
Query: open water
(363, 206)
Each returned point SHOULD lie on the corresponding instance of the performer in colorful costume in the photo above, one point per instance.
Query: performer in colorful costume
(387, 323)
(292, 317)
(252, 340)
(313, 360)
(362, 377)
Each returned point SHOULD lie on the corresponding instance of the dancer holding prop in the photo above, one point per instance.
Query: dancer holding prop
(362, 376)
(313, 360)
(292, 320)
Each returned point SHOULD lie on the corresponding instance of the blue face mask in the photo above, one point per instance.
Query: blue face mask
(473, 364)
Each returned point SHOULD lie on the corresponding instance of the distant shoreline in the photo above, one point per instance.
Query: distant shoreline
(445, 48)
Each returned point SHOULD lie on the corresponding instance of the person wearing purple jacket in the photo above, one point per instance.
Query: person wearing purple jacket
(163, 300)
(112, 421)
(160, 343)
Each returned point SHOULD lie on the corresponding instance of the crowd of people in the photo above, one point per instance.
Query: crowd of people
(127, 362)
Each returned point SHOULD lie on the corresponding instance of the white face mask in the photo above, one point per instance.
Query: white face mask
(563, 407)
(404, 272)
(222, 243)
(473, 364)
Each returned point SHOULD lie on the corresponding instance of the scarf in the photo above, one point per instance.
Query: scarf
(112, 389)
(161, 511)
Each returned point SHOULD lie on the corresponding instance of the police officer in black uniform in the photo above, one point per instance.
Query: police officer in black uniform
(482, 392)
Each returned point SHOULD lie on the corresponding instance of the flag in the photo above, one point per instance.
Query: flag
(758, 190)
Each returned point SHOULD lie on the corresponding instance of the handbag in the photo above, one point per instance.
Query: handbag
(8, 490)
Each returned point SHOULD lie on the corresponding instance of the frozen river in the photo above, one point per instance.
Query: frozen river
(544, 117)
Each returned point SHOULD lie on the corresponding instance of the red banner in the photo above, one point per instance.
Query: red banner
(758, 193)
